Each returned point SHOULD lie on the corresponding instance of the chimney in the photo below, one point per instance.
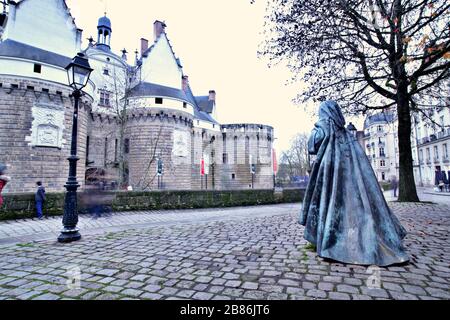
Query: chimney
(144, 46)
(185, 83)
(159, 28)
(212, 95)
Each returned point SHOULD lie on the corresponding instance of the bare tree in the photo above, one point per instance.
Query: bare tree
(156, 150)
(295, 161)
(367, 55)
(119, 83)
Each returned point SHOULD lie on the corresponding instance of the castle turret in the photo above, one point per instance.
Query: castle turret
(104, 32)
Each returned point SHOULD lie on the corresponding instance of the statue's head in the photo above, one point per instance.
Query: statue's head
(331, 110)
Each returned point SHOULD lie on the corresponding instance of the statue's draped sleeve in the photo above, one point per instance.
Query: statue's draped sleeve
(315, 140)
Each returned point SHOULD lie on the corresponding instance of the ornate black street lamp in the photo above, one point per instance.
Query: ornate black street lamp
(78, 72)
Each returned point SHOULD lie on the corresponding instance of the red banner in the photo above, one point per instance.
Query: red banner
(202, 167)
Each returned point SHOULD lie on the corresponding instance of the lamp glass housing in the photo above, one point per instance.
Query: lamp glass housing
(78, 72)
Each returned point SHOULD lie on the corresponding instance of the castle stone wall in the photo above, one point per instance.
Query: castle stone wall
(35, 133)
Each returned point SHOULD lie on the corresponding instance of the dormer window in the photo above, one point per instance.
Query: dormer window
(158, 100)
(106, 72)
(105, 98)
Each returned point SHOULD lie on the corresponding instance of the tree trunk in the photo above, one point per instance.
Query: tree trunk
(121, 153)
(407, 185)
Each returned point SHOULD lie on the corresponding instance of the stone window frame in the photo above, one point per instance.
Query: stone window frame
(436, 152)
(126, 146)
(105, 99)
(445, 151)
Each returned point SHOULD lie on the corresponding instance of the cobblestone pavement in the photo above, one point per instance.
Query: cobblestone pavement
(241, 257)
(32, 229)
(425, 195)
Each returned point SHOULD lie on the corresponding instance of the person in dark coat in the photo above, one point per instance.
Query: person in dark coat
(344, 210)
(448, 181)
(445, 180)
(438, 180)
(394, 185)
(40, 199)
(3, 181)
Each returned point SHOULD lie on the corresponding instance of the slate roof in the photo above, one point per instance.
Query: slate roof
(11, 48)
(103, 47)
(104, 22)
(156, 90)
(198, 112)
(382, 117)
(152, 89)
(205, 104)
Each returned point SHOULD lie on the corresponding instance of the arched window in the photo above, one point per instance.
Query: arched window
(247, 150)
(224, 149)
(257, 148)
(235, 150)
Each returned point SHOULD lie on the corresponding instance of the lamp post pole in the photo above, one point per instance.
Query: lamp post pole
(78, 72)
(70, 232)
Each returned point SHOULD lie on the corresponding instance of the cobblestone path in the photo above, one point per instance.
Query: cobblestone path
(239, 253)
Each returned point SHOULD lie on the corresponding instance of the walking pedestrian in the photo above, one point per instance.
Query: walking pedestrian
(40, 199)
(394, 185)
(3, 181)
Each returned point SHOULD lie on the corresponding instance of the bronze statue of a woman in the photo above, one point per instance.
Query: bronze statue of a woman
(344, 211)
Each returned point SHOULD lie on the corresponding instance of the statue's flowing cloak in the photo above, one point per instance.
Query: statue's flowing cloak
(344, 211)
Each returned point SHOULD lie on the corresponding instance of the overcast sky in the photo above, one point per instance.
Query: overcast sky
(217, 42)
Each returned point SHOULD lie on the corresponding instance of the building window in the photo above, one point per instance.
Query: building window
(382, 163)
(106, 152)
(126, 146)
(235, 150)
(225, 158)
(115, 150)
(87, 150)
(445, 151)
(257, 148)
(380, 128)
(184, 105)
(233, 176)
(105, 98)
(421, 155)
(383, 176)
(37, 68)
(106, 72)
(436, 153)
(428, 155)
(247, 150)
(382, 154)
(158, 100)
